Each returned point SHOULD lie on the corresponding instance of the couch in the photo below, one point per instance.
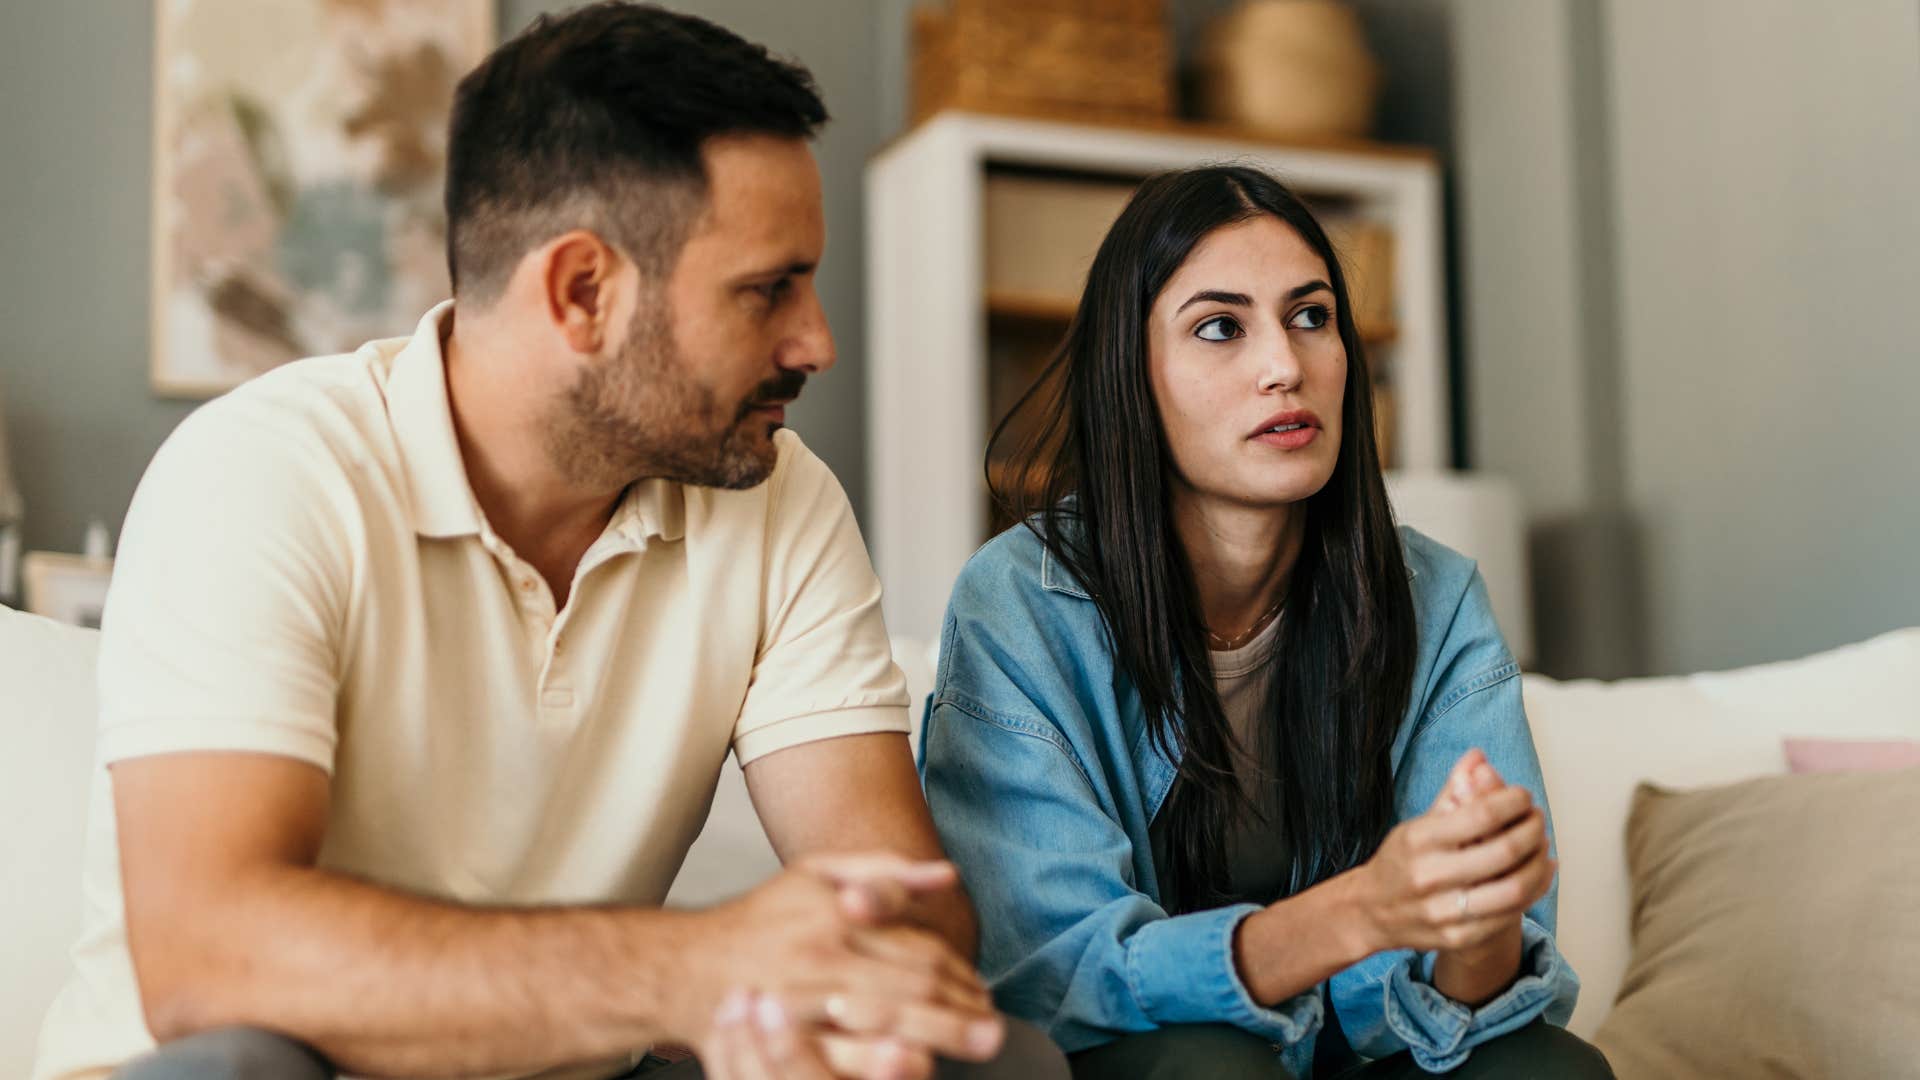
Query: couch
(1596, 740)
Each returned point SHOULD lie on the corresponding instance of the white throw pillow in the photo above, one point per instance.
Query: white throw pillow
(1598, 740)
(46, 755)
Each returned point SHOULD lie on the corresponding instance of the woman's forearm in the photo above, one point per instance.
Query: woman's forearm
(1476, 976)
(1293, 945)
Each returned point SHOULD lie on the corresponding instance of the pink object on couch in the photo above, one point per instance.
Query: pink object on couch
(1851, 755)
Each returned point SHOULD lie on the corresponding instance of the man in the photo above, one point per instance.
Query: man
(421, 663)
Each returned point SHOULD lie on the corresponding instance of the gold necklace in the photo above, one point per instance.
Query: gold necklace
(1225, 645)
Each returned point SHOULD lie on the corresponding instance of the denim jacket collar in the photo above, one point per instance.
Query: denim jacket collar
(1055, 578)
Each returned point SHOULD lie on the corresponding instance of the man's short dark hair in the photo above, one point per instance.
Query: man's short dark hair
(595, 119)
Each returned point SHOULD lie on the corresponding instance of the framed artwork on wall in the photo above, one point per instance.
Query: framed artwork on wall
(299, 148)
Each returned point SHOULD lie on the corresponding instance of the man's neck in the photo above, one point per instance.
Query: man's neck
(498, 404)
(1242, 556)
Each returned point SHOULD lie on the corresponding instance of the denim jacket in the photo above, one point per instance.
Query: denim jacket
(1043, 782)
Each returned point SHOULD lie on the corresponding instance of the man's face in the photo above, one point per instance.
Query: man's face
(714, 353)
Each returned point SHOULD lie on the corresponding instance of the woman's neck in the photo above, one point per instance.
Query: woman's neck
(1242, 557)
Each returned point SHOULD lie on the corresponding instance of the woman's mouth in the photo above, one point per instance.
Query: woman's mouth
(1288, 436)
(1289, 430)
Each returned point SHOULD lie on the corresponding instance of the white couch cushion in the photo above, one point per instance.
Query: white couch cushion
(46, 754)
(1598, 740)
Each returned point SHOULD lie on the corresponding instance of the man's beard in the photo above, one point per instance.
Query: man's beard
(642, 414)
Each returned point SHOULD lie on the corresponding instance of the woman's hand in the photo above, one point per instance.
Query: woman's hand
(1458, 876)
(1478, 973)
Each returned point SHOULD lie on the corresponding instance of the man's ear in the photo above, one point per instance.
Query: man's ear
(580, 283)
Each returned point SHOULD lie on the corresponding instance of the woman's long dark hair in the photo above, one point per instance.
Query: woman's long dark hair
(1084, 462)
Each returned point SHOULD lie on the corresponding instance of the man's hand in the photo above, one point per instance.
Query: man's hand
(753, 1038)
(817, 942)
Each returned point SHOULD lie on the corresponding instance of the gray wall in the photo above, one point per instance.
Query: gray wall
(73, 281)
(1691, 251)
(1768, 160)
(74, 216)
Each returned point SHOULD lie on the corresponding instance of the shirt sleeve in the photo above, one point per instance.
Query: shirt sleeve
(222, 623)
(1388, 1003)
(824, 667)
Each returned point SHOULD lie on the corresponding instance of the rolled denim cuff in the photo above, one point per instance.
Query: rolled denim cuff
(1441, 1032)
(1181, 971)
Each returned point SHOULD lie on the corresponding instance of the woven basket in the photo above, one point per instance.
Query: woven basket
(1293, 69)
(1051, 57)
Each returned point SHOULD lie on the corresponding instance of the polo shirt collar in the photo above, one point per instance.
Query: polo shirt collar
(442, 499)
(653, 508)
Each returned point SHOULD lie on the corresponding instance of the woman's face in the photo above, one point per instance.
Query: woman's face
(1248, 368)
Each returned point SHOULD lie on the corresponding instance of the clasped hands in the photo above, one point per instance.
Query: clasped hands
(1457, 879)
(816, 974)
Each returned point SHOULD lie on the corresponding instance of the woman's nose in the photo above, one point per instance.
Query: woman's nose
(1282, 371)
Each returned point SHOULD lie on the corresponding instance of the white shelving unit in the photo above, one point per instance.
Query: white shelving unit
(927, 373)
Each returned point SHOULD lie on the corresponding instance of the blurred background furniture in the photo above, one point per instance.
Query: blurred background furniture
(1290, 69)
(1596, 740)
(1479, 515)
(1112, 59)
(66, 588)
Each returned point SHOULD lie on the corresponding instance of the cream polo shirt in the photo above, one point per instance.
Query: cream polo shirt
(305, 572)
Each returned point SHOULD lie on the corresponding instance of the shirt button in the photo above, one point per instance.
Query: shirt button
(526, 584)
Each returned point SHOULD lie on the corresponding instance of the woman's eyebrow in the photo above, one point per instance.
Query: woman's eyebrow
(1219, 296)
(1215, 296)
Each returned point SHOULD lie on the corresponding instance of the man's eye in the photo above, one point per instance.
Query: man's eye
(774, 290)
(1218, 328)
(1311, 317)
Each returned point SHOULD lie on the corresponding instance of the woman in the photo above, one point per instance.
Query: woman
(1237, 774)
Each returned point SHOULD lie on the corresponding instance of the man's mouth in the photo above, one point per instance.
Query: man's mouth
(771, 398)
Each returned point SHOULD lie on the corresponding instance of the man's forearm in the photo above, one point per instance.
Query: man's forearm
(385, 984)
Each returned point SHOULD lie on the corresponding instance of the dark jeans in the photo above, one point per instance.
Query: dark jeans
(252, 1054)
(1219, 1052)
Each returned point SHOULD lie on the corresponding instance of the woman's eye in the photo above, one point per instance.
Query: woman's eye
(1218, 328)
(1311, 317)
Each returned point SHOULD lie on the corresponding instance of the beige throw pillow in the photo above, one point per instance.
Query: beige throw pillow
(1776, 930)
